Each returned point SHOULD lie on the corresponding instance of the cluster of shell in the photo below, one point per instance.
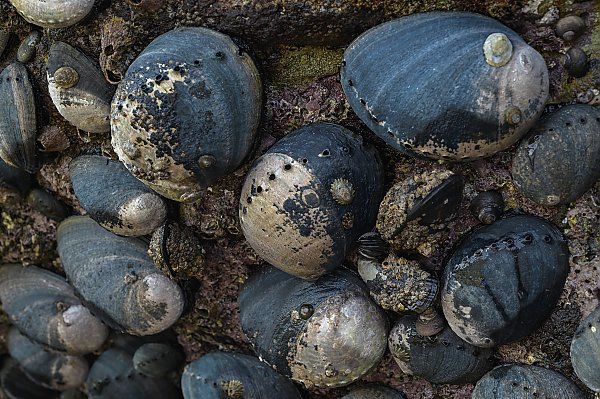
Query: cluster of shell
(187, 112)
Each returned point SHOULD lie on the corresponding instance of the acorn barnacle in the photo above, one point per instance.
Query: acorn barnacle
(53, 13)
(504, 280)
(306, 345)
(395, 78)
(301, 211)
(212, 94)
(560, 158)
(585, 350)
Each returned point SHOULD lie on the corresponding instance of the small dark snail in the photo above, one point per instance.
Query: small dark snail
(570, 27)
(443, 358)
(212, 94)
(306, 201)
(560, 159)
(585, 350)
(576, 62)
(326, 333)
(44, 307)
(374, 391)
(134, 295)
(487, 206)
(16, 384)
(395, 78)
(220, 375)
(26, 49)
(17, 119)
(518, 381)
(504, 280)
(53, 13)
(131, 209)
(156, 359)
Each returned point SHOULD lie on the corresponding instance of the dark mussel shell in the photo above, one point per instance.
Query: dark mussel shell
(15, 179)
(373, 391)
(47, 204)
(16, 384)
(186, 112)
(44, 307)
(114, 198)
(326, 333)
(51, 369)
(307, 200)
(452, 85)
(233, 375)
(17, 118)
(518, 381)
(560, 159)
(116, 278)
(585, 351)
(78, 89)
(440, 359)
(156, 359)
(504, 280)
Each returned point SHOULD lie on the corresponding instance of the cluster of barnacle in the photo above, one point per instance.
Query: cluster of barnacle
(187, 112)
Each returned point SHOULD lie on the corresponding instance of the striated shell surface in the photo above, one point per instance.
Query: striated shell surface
(326, 333)
(134, 296)
(585, 350)
(17, 118)
(16, 384)
(78, 89)
(155, 359)
(440, 359)
(51, 369)
(186, 112)
(232, 375)
(114, 198)
(291, 207)
(53, 13)
(44, 307)
(504, 280)
(560, 159)
(519, 381)
(373, 391)
(449, 85)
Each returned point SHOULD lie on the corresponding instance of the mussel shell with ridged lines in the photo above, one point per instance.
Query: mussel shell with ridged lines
(439, 85)
(585, 350)
(53, 13)
(116, 278)
(186, 112)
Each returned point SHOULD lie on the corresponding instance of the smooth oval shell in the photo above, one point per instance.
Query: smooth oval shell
(84, 102)
(233, 375)
(156, 359)
(53, 13)
(114, 198)
(423, 85)
(44, 307)
(288, 213)
(134, 295)
(26, 50)
(16, 385)
(576, 62)
(17, 118)
(519, 381)
(51, 369)
(374, 391)
(113, 376)
(440, 359)
(212, 94)
(299, 327)
(504, 280)
(560, 159)
(585, 350)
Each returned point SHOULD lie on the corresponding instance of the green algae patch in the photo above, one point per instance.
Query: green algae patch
(297, 66)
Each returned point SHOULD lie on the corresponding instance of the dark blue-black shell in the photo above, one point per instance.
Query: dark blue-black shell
(220, 374)
(423, 84)
(306, 201)
(585, 350)
(504, 280)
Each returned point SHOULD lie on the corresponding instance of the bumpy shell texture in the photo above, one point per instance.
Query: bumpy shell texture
(44, 307)
(504, 280)
(423, 84)
(17, 118)
(440, 359)
(516, 381)
(116, 278)
(53, 13)
(585, 350)
(186, 112)
(81, 95)
(114, 198)
(51, 369)
(307, 200)
(232, 375)
(326, 333)
(560, 159)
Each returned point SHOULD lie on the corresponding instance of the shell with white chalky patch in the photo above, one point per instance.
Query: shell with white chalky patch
(585, 350)
(53, 13)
